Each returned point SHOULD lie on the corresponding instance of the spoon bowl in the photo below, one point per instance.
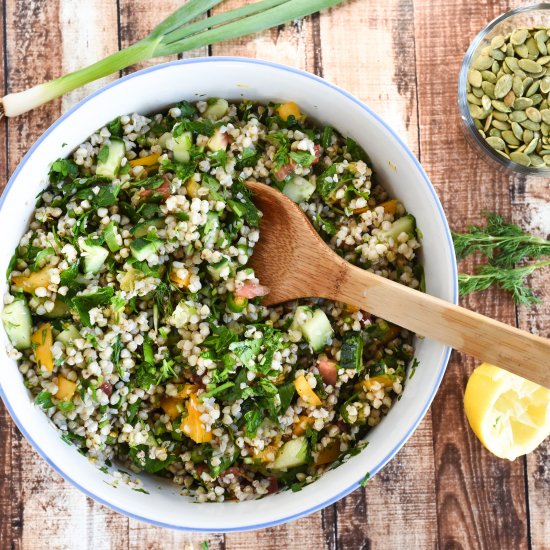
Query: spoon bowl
(294, 262)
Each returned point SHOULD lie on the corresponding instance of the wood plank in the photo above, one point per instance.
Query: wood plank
(39, 496)
(6, 425)
(90, 32)
(531, 210)
(473, 487)
(366, 67)
(145, 536)
(137, 20)
(295, 44)
(303, 533)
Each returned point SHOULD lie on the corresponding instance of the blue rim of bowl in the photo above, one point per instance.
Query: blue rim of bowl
(452, 258)
(467, 120)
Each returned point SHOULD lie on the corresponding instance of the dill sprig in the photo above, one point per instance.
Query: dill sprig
(505, 244)
(510, 279)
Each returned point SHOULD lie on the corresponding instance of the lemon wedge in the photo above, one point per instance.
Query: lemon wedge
(509, 415)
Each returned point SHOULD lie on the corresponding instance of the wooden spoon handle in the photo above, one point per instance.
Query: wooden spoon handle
(512, 349)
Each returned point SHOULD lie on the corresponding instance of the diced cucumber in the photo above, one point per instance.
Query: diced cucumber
(17, 321)
(94, 257)
(317, 330)
(406, 224)
(292, 454)
(299, 189)
(112, 237)
(216, 109)
(215, 270)
(218, 142)
(211, 226)
(301, 315)
(142, 229)
(59, 310)
(181, 146)
(111, 165)
(181, 315)
(163, 140)
(351, 354)
(69, 335)
(236, 304)
(142, 249)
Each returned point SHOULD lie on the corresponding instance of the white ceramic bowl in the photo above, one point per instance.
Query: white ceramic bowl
(151, 91)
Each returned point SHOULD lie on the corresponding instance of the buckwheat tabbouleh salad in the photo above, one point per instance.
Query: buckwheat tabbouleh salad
(139, 327)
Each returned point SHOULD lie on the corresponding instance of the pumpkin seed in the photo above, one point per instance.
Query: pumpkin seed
(500, 106)
(532, 146)
(522, 50)
(521, 103)
(498, 41)
(517, 86)
(533, 89)
(536, 160)
(509, 137)
(519, 36)
(496, 143)
(475, 78)
(530, 66)
(518, 130)
(483, 62)
(489, 76)
(507, 89)
(530, 125)
(517, 116)
(503, 85)
(533, 114)
(520, 158)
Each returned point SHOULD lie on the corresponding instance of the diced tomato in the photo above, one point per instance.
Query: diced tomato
(284, 171)
(327, 370)
(317, 152)
(273, 486)
(237, 472)
(251, 290)
(163, 190)
(106, 388)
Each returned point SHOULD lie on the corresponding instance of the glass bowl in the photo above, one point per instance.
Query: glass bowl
(534, 15)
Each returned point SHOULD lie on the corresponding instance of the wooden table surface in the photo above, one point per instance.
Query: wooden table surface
(401, 57)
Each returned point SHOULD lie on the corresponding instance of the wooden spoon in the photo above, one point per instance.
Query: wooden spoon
(294, 262)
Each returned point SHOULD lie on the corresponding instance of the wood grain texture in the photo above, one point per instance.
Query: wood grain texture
(531, 210)
(443, 490)
(472, 486)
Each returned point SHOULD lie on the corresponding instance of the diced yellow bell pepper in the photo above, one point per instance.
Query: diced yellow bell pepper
(149, 160)
(306, 392)
(172, 406)
(187, 390)
(65, 388)
(351, 309)
(390, 206)
(385, 380)
(192, 426)
(267, 455)
(33, 281)
(42, 341)
(289, 109)
(329, 453)
(128, 280)
(300, 427)
(182, 283)
(192, 188)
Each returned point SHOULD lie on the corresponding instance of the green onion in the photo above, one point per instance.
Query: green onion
(172, 36)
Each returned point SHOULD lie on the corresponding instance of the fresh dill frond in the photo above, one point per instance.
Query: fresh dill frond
(505, 244)
(163, 298)
(510, 279)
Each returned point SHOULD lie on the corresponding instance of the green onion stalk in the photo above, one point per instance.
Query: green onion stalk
(176, 34)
